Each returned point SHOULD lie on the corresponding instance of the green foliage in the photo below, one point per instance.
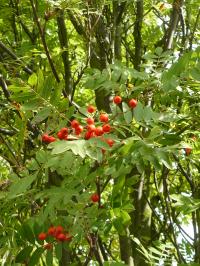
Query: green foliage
(147, 180)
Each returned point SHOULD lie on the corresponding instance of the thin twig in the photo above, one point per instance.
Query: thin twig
(42, 36)
(13, 55)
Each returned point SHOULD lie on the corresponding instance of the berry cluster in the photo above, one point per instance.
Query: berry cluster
(132, 102)
(90, 130)
(56, 232)
(48, 139)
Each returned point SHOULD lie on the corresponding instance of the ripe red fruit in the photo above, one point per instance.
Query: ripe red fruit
(48, 139)
(48, 246)
(188, 151)
(90, 121)
(45, 138)
(51, 139)
(59, 229)
(91, 128)
(117, 99)
(62, 135)
(52, 231)
(78, 130)
(132, 103)
(89, 134)
(64, 130)
(110, 142)
(61, 237)
(74, 123)
(42, 236)
(106, 128)
(99, 131)
(91, 109)
(95, 197)
(103, 118)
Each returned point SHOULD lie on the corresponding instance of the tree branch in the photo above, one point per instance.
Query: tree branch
(42, 36)
(137, 34)
(13, 55)
(63, 38)
(194, 30)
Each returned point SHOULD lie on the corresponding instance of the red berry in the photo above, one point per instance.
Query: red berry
(104, 118)
(74, 123)
(51, 139)
(132, 103)
(110, 142)
(62, 135)
(52, 231)
(64, 130)
(99, 131)
(106, 128)
(78, 130)
(42, 236)
(91, 128)
(48, 139)
(95, 197)
(91, 109)
(45, 138)
(59, 229)
(89, 135)
(48, 246)
(188, 151)
(61, 237)
(90, 121)
(117, 99)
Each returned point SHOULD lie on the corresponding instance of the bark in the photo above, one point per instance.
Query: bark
(141, 217)
(126, 250)
(174, 19)
(63, 38)
(118, 11)
(138, 33)
(99, 52)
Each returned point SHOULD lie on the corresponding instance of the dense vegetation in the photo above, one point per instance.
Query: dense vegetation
(122, 189)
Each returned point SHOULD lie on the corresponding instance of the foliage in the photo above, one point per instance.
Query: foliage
(147, 179)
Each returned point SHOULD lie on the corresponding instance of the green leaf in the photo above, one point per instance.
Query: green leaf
(40, 82)
(148, 113)
(21, 185)
(127, 113)
(78, 147)
(46, 89)
(23, 254)
(139, 112)
(49, 258)
(164, 158)
(36, 256)
(42, 114)
(111, 263)
(58, 251)
(28, 233)
(158, 50)
(32, 80)
(195, 73)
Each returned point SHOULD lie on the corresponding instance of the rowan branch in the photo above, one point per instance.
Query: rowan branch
(63, 38)
(13, 55)
(42, 36)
